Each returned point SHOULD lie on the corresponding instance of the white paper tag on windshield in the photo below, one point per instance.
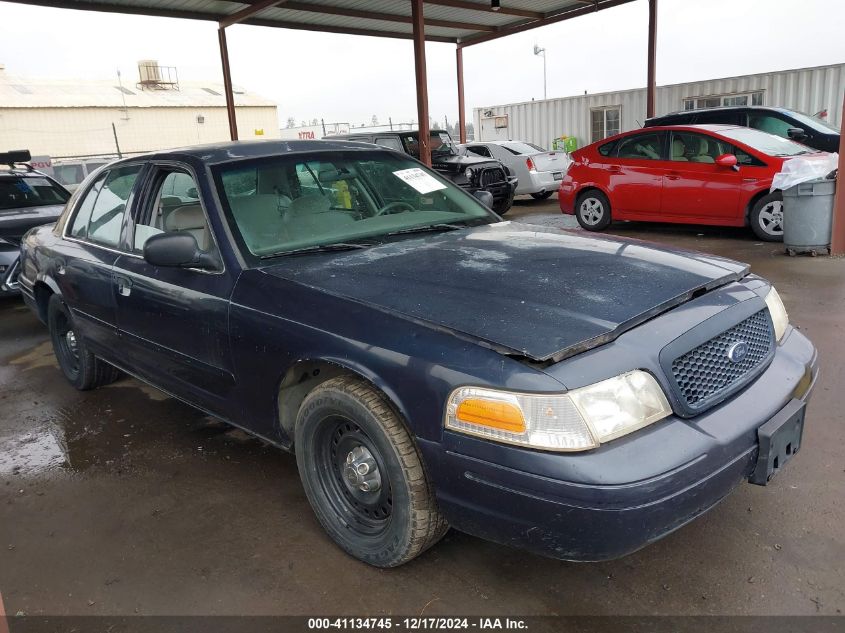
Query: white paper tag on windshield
(419, 180)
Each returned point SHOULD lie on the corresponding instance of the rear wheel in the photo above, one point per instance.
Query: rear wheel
(592, 210)
(543, 195)
(766, 217)
(82, 369)
(363, 475)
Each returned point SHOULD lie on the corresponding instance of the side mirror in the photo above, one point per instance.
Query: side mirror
(177, 249)
(727, 160)
(192, 192)
(796, 133)
(484, 197)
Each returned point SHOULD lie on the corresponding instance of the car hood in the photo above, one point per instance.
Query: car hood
(15, 222)
(535, 292)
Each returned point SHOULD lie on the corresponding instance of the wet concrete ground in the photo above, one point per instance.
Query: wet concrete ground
(122, 501)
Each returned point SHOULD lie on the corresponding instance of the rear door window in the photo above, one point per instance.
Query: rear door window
(481, 150)
(112, 194)
(640, 146)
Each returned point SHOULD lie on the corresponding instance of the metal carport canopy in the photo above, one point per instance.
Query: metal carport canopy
(459, 22)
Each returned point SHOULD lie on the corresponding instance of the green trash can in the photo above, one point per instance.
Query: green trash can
(808, 216)
(570, 144)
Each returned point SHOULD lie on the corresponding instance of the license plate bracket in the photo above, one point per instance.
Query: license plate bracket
(558, 175)
(780, 439)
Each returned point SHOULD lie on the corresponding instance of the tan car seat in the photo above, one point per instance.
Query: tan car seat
(703, 152)
(189, 218)
(678, 150)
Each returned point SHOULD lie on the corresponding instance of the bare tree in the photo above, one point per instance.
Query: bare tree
(291, 122)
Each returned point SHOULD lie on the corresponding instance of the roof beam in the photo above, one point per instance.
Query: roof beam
(383, 17)
(486, 8)
(552, 18)
(248, 12)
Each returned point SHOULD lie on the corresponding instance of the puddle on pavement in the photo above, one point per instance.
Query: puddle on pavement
(40, 356)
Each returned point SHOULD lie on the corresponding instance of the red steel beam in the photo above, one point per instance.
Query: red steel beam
(462, 124)
(227, 84)
(651, 85)
(248, 12)
(837, 241)
(422, 82)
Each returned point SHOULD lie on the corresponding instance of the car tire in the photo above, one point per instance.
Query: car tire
(592, 209)
(363, 474)
(543, 195)
(81, 368)
(766, 217)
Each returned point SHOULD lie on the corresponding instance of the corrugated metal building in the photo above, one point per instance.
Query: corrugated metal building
(55, 117)
(593, 117)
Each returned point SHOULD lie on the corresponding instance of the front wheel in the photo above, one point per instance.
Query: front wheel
(363, 474)
(543, 195)
(81, 368)
(592, 210)
(766, 217)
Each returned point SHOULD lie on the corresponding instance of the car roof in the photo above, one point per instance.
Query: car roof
(720, 109)
(382, 133)
(238, 150)
(706, 127)
(20, 172)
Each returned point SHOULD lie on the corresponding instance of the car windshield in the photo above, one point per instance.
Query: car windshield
(766, 143)
(813, 122)
(441, 143)
(29, 191)
(282, 204)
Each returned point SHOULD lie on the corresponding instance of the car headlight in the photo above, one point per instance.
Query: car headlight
(780, 319)
(577, 420)
(468, 173)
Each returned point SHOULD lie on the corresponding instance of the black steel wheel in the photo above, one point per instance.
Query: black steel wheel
(363, 474)
(81, 368)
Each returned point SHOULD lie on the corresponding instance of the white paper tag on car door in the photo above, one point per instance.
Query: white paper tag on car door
(419, 180)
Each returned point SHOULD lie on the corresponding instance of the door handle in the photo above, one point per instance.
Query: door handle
(124, 286)
(673, 175)
(614, 168)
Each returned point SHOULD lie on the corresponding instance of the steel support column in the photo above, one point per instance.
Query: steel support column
(651, 86)
(837, 244)
(227, 84)
(418, 21)
(462, 124)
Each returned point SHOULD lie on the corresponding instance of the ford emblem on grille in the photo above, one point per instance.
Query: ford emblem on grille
(737, 351)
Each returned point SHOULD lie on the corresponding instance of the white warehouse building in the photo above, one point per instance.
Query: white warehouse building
(61, 118)
(592, 117)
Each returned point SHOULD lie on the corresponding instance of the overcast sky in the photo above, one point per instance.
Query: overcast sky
(349, 79)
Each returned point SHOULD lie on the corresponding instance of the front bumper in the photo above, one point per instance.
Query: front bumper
(503, 193)
(620, 504)
(9, 270)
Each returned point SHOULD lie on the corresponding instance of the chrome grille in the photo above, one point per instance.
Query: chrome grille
(491, 176)
(706, 373)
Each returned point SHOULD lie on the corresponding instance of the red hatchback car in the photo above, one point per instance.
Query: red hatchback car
(689, 174)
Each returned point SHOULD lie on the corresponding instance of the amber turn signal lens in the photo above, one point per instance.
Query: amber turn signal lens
(491, 413)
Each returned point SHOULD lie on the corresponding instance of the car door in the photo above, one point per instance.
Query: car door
(695, 188)
(87, 255)
(175, 320)
(634, 176)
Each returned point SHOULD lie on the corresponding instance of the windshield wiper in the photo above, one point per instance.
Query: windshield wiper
(429, 228)
(321, 248)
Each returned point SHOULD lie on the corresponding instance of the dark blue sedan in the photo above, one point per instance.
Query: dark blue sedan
(429, 364)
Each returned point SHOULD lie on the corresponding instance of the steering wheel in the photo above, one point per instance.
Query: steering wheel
(392, 207)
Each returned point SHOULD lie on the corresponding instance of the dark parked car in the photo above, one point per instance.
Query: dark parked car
(790, 124)
(473, 173)
(28, 198)
(430, 366)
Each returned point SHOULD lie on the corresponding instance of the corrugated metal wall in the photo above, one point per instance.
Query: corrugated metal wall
(808, 90)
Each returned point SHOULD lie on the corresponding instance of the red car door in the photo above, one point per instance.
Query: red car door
(634, 176)
(695, 189)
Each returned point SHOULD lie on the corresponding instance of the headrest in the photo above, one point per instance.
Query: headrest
(185, 218)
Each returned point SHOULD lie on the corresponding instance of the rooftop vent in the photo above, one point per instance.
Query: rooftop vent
(155, 77)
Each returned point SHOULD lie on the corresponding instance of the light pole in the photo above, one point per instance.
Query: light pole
(542, 51)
